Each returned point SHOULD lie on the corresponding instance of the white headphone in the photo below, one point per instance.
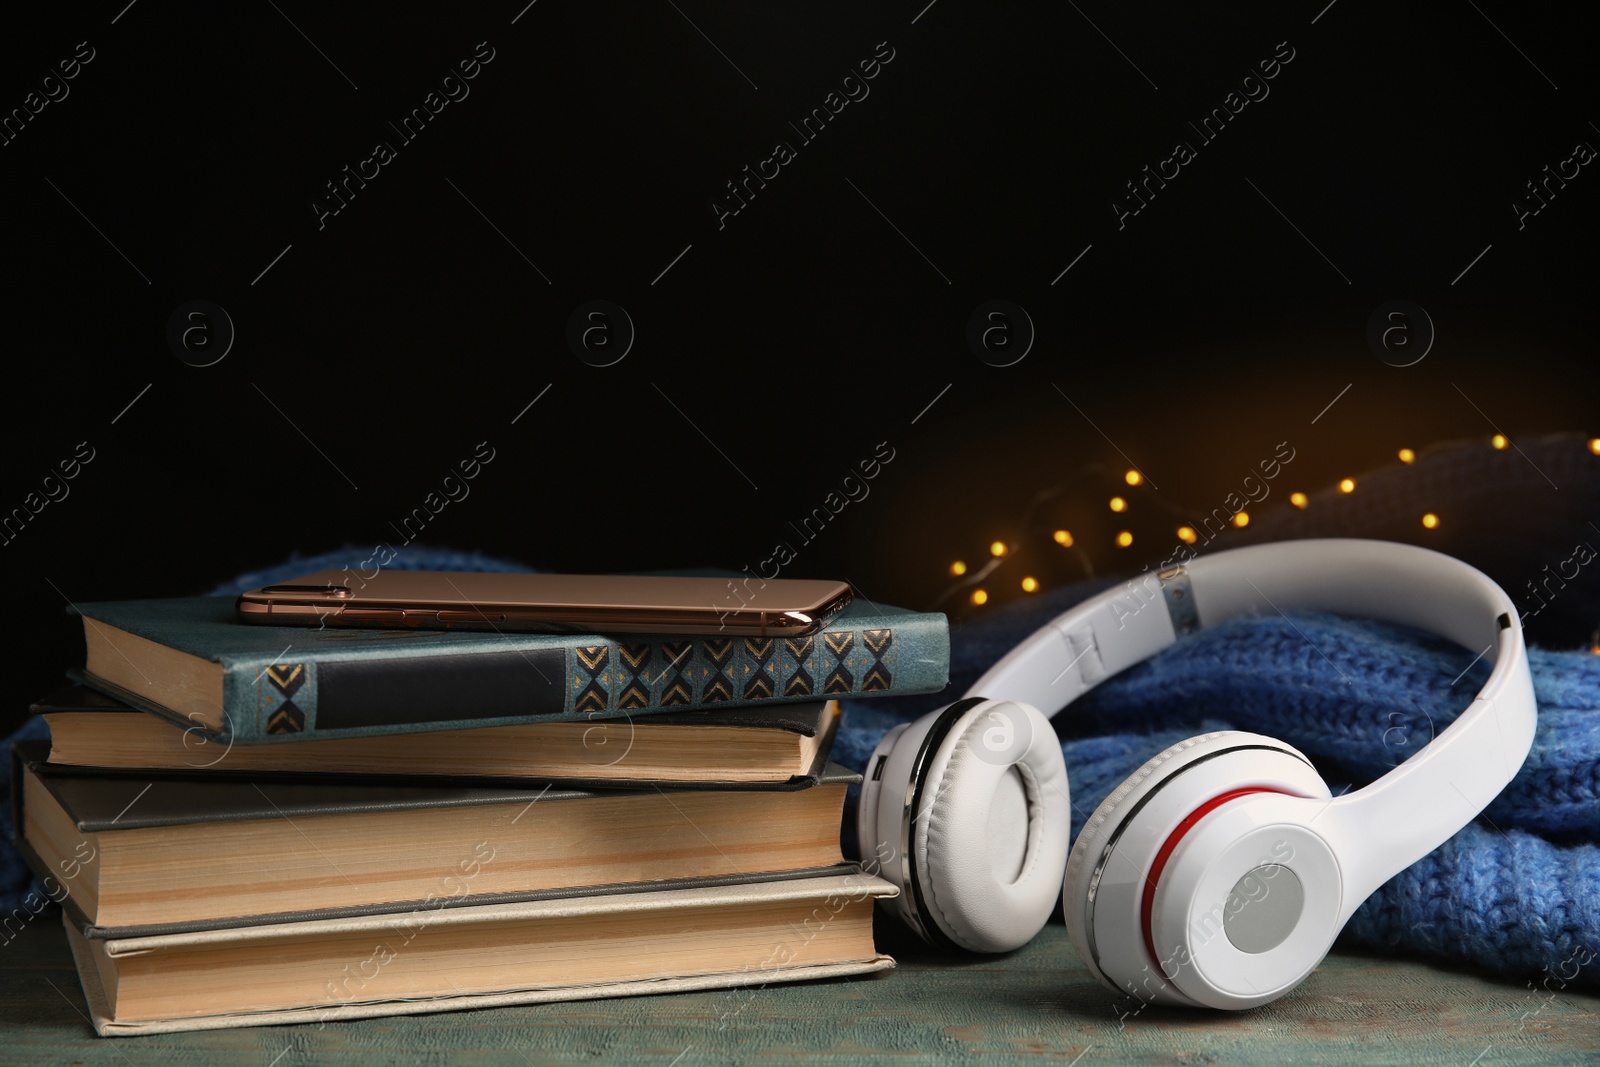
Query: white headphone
(1220, 873)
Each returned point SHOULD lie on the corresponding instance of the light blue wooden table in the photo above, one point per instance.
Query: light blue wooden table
(1038, 1005)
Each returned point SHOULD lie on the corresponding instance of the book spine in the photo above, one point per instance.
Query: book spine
(346, 697)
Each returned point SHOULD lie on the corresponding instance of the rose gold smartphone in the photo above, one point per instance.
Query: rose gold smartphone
(550, 603)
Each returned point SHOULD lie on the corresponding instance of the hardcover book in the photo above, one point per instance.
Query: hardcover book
(166, 852)
(777, 744)
(190, 660)
(483, 956)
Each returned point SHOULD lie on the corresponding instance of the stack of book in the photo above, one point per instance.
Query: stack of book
(252, 824)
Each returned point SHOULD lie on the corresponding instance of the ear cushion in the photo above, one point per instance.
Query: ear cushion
(991, 830)
(1108, 819)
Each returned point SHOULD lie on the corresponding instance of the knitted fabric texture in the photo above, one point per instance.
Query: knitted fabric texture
(1516, 892)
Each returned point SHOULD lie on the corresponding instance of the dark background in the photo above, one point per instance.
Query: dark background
(822, 320)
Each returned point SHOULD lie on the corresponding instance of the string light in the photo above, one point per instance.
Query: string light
(1188, 534)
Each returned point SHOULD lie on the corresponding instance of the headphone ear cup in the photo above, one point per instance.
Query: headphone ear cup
(883, 788)
(1111, 856)
(1102, 827)
(887, 792)
(991, 827)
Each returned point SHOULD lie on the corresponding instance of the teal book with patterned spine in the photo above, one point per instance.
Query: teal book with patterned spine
(191, 661)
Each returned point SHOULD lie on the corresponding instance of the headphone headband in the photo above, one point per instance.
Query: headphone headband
(1382, 828)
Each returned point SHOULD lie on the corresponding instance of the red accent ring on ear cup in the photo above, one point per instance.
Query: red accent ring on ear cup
(1147, 903)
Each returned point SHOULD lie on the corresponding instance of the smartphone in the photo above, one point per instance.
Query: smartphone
(550, 603)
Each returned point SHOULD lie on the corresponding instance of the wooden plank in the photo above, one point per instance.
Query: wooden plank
(1036, 1005)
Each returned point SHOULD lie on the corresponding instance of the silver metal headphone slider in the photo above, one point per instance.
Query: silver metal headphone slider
(1179, 595)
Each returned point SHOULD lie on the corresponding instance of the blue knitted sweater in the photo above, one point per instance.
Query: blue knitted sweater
(1516, 892)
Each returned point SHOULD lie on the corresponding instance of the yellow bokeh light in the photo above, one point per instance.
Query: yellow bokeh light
(1594, 445)
(980, 597)
(1124, 538)
(1406, 455)
(1430, 520)
(1242, 519)
(1348, 485)
(1297, 499)
(1133, 478)
(997, 549)
(1030, 585)
(958, 568)
(1499, 441)
(1063, 538)
(1187, 535)
(1118, 504)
